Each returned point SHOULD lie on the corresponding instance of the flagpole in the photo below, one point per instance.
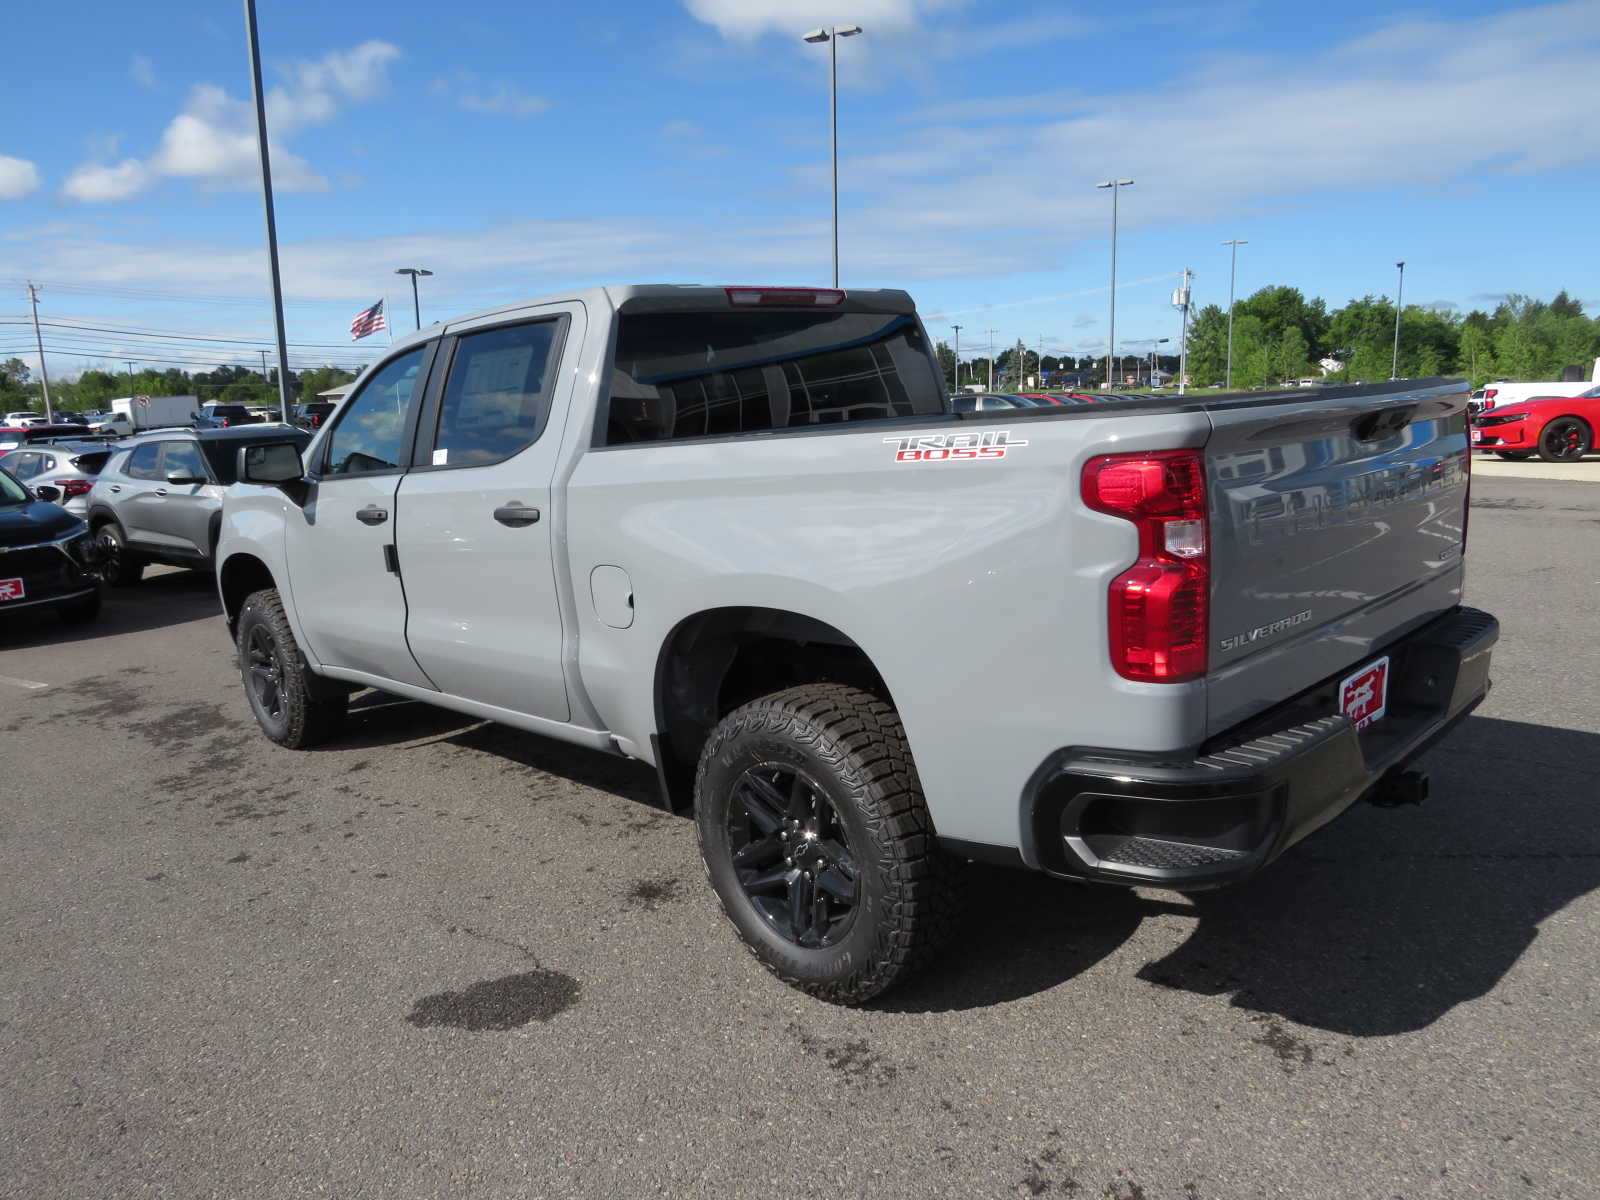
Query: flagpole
(388, 325)
(266, 201)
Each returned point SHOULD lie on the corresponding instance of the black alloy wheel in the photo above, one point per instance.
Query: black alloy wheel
(792, 855)
(1565, 439)
(294, 707)
(265, 678)
(118, 567)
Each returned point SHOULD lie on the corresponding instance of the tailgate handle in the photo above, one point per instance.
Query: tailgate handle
(1376, 426)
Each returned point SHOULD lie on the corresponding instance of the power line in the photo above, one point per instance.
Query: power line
(176, 334)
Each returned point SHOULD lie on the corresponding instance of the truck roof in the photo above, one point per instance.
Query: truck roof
(668, 297)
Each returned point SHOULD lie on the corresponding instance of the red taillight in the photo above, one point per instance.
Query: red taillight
(226, 423)
(1159, 608)
(72, 487)
(785, 297)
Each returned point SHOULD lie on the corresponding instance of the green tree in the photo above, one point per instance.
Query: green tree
(947, 365)
(1208, 346)
(1290, 354)
(14, 379)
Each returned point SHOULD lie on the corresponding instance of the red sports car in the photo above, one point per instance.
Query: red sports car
(1556, 428)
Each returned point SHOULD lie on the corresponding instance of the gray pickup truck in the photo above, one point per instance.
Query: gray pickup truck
(742, 534)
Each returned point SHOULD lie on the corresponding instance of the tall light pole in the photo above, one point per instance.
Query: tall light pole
(992, 332)
(1399, 307)
(1180, 300)
(266, 204)
(1116, 185)
(44, 375)
(416, 305)
(831, 35)
(1155, 350)
(957, 328)
(1233, 275)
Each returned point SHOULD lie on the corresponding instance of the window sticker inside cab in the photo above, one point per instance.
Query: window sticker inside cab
(953, 447)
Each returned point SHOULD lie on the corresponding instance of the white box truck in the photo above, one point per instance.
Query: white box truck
(129, 414)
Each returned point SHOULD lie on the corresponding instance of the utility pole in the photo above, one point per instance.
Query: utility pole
(44, 375)
(129, 365)
(266, 204)
(992, 332)
(1180, 301)
(1399, 307)
(957, 328)
(1233, 273)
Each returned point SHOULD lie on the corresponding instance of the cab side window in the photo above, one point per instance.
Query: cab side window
(22, 466)
(497, 397)
(371, 432)
(145, 462)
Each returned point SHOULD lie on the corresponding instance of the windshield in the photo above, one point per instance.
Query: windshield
(11, 492)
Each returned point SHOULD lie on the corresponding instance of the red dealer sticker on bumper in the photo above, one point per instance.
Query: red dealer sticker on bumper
(11, 589)
(1364, 697)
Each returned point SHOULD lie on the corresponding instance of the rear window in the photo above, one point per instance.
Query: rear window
(707, 374)
(91, 463)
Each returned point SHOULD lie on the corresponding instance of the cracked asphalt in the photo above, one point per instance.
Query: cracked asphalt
(440, 958)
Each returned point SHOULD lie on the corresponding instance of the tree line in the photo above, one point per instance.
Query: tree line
(1279, 335)
(95, 389)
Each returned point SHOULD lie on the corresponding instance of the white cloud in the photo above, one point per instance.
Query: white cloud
(92, 184)
(213, 140)
(18, 178)
(745, 19)
(142, 71)
(505, 101)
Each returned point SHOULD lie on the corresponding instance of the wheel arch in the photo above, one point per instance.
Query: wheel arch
(717, 659)
(239, 576)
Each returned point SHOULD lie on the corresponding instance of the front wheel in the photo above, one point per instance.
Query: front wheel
(818, 844)
(278, 683)
(1566, 439)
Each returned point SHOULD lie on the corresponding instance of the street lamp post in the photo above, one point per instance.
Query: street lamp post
(416, 305)
(1399, 307)
(1116, 185)
(831, 35)
(1233, 274)
(957, 328)
(1154, 351)
(992, 332)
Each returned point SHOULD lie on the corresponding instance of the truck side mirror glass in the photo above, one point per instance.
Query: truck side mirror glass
(270, 463)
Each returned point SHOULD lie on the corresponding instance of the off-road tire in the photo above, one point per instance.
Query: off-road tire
(119, 567)
(80, 611)
(851, 747)
(294, 710)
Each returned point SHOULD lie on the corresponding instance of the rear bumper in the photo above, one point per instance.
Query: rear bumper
(1220, 816)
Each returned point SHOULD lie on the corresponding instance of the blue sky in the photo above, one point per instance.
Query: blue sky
(516, 149)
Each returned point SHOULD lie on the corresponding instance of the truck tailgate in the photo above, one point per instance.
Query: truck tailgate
(1336, 527)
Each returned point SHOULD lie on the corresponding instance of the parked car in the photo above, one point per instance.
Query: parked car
(223, 416)
(311, 416)
(47, 555)
(23, 417)
(13, 436)
(1556, 428)
(159, 497)
(738, 533)
(68, 466)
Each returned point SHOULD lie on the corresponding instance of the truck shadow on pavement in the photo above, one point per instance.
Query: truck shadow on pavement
(1377, 925)
(171, 597)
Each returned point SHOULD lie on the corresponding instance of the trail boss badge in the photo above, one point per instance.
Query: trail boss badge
(953, 447)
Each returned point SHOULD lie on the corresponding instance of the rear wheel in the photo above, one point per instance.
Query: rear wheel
(288, 704)
(118, 566)
(1513, 455)
(1566, 439)
(818, 843)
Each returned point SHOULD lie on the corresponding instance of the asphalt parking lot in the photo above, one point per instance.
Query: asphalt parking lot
(441, 958)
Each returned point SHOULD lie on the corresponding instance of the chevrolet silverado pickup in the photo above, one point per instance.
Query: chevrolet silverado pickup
(743, 535)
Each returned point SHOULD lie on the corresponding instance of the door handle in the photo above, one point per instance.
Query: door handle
(161, 491)
(115, 488)
(372, 515)
(516, 514)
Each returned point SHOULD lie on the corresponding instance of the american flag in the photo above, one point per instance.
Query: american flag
(368, 320)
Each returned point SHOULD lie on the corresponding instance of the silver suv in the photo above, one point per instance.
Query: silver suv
(159, 499)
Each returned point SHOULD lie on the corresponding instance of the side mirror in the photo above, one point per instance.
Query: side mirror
(50, 495)
(275, 464)
(184, 479)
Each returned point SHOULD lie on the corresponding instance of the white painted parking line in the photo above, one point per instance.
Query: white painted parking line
(22, 683)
